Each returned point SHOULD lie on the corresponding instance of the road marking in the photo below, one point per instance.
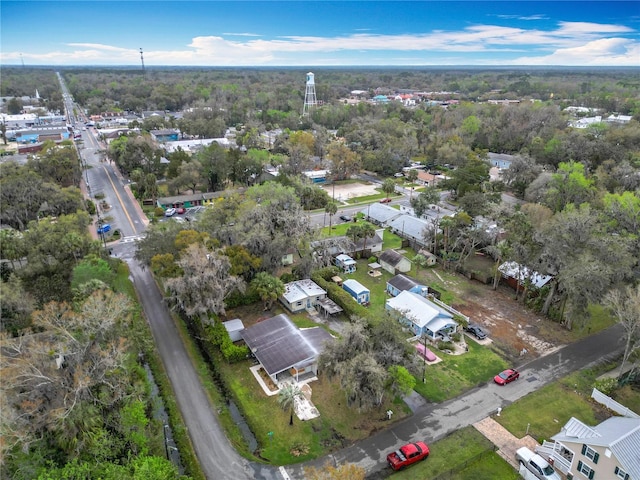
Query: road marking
(119, 198)
(284, 473)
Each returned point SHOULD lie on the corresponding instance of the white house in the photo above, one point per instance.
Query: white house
(302, 295)
(422, 316)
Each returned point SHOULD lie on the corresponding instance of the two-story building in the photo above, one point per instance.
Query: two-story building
(608, 451)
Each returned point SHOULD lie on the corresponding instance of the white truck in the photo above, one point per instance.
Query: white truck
(536, 464)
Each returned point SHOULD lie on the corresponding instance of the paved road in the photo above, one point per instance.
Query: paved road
(217, 457)
(434, 421)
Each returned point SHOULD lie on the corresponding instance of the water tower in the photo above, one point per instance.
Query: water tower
(309, 95)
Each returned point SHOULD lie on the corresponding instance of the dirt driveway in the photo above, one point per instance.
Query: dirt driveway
(512, 327)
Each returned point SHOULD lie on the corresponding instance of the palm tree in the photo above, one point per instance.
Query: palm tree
(268, 287)
(287, 398)
(366, 231)
(331, 209)
(388, 186)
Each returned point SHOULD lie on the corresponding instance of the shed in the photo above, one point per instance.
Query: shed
(346, 263)
(234, 327)
(359, 292)
(394, 262)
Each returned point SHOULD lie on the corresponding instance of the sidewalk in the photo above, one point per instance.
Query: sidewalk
(506, 442)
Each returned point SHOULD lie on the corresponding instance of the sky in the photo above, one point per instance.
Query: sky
(320, 33)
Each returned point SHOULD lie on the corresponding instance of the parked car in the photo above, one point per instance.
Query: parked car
(181, 210)
(385, 200)
(345, 218)
(507, 376)
(476, 330)
(426, 353)
(104, 229)
(408, 455)
(169, 212)
(536, 464)
(398, 175)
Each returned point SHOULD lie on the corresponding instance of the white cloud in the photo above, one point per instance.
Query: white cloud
(571, 43)
(602, 52)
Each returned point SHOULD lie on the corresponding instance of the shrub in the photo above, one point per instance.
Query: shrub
(445, 345)
(158, 212)
(217, 334)
(606, 385)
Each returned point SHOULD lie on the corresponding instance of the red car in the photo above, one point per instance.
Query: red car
(408, 455)
(181, 210)
(508, 376)
(385, 200)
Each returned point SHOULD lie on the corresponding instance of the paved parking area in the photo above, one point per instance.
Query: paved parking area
(506, 443)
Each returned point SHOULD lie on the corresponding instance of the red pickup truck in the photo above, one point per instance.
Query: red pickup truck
(408, 455)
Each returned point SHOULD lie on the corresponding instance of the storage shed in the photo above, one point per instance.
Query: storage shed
(359, 292)
(234, 327)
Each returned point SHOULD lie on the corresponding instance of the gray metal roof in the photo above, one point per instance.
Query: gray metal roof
(410, 227)
(621, 435)
(381, 213)
(301, 289)
(279, 345)
(391, 257)
(403, 282)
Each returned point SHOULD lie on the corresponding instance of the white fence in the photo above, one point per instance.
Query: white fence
(551, 451)
(448, 307)
(611, 404)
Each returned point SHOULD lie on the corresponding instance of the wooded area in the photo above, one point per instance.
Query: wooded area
(76, 392)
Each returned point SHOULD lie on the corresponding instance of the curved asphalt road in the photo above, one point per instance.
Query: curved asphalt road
(432, 422)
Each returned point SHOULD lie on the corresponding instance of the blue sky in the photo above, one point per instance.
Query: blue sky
(320, 33)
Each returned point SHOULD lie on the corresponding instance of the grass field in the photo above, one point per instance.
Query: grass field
(337, 426)
(545, 411)
(465, 454)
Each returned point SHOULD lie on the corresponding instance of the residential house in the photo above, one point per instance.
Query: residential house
(372, 244)
(301, 295)
(500, 160)
(608, 451)
(412, 228)
(428, 179)
(404, 283)
(380, 214)
(346, 263)
(283, 349)
(359, 292)
(616, 118)
(393, 262)
(422, 316)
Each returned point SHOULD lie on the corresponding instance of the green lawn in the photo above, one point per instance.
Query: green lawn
(548, 409)
(466, 451)
(458, 373)
(337, 426)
